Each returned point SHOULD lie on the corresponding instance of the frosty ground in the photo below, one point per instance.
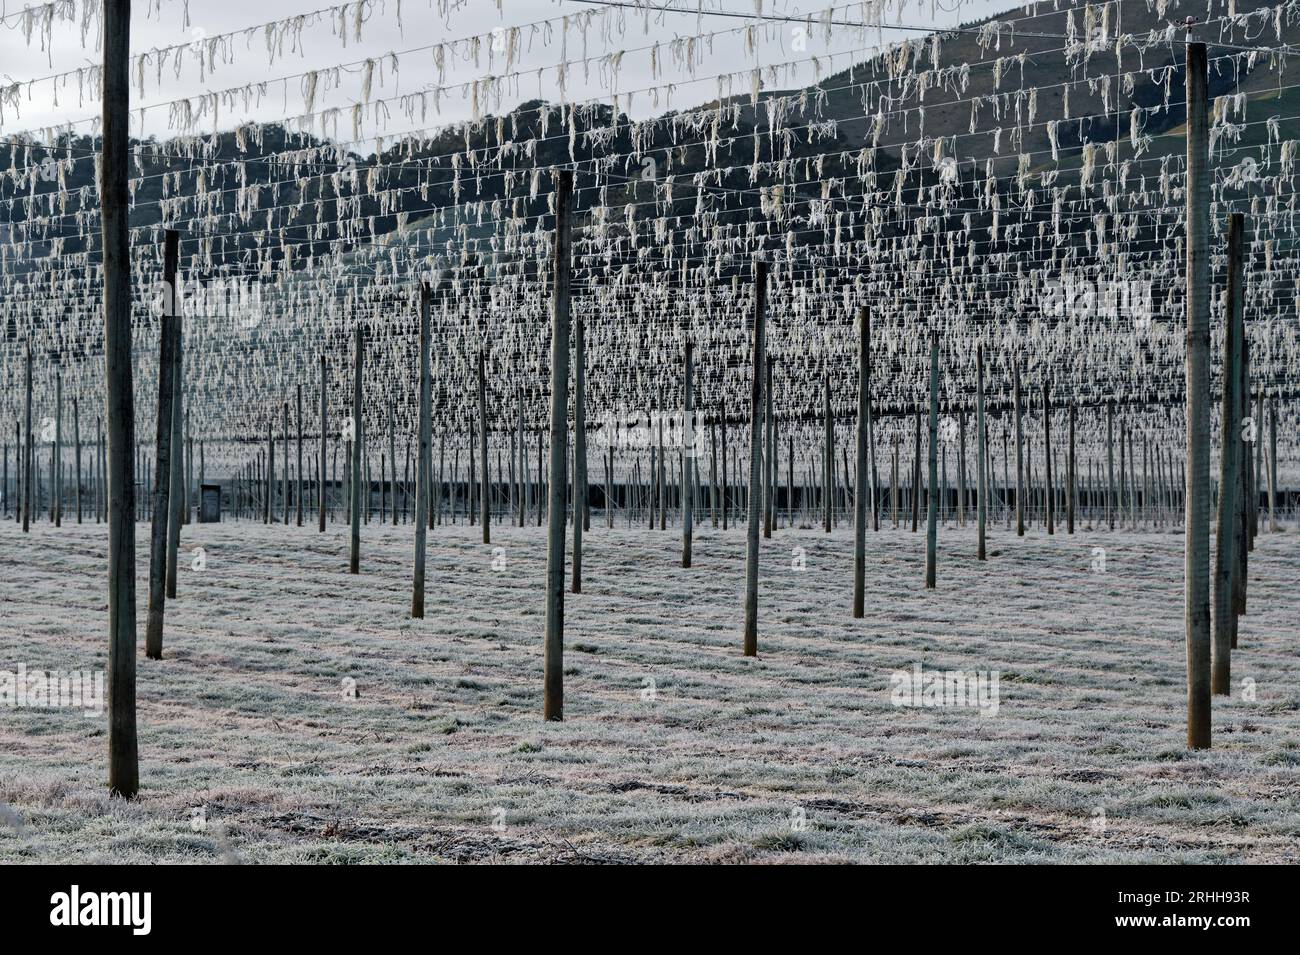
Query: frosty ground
(675, 747)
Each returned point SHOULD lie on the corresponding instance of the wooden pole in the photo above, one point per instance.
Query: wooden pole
(688, 454)
(26, 453)
(1070, 481)
(485, 492)
(423, 461)
(1271, 464)
(299, 504)
(321, 497)
(553, 664)
(284, 489)
(932, 511)
(1020, 450)
(1196, 512)
(56, 484)
(358, 367)
(153, 640)
(176, 477)
(723, 415)
(769, 457)
(1050, 497)
(123, 761)
(828, 463)
(981, 465)
(861, 493)
(759, 359)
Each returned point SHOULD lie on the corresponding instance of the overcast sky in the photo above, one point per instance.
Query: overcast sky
(161, 23)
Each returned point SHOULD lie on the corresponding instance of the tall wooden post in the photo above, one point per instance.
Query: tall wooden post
(1070, 481)
(1197, 479)
(269, 476)
(299, 504)
(561, 264)
(423, 462)
(485, 492)
(176, 478)
(688, 455)
(722, 414)
(861, 494)
(1020, 449)
(123, 762)
(284, 489)
(153, 640)
(759, 363)
(828, 467)
(713, 472)
(981, 479)
(1271, 463)
(321, 497)
(769, 456)
(26, 452)
(56, 479)
(579, 455)
(358, 368)
(1050, 497)
(661, 473)
(932, 511)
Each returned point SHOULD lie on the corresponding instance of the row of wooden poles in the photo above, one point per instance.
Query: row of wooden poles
(1132, 493)
(1122, 489)
(1210, 624)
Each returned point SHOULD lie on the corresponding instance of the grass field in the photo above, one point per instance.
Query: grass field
(675, 747)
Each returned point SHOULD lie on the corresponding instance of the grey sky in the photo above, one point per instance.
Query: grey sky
(161, 23)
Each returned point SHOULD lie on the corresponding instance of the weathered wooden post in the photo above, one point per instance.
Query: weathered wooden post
(1050, 497)
(661, 476)
(284, 490)
(1197, 480)
(932, 511)
(56, 482)
(713, 472)
(123, 762)
(269, 475)
(355, 504)
(176, 478)
(769, 456)
(299, 475)
(485, 493)
(321, 497)
(759, 363)
(553, 665)
(828, 466)
(688, 455)
(1070, 481)
(860, 495)
(1110, 464)
(893, 479)
(158, 535)
(981, 480)
(422, 464)
(1272, 464)
(1225, 564)
(1020, 449)
(723, 416)
(26, 453)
